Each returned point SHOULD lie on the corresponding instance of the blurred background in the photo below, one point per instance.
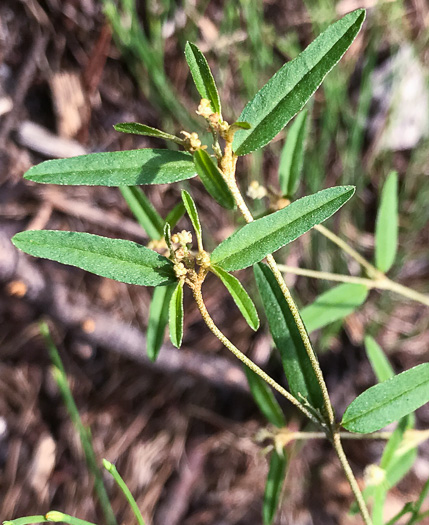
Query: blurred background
(182, 430)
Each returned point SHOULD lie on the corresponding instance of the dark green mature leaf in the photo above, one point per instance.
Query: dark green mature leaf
(264, 398)
(193, 214)
(123, 261)
(261, 237)
(292, 156)
(296, 363)
(240, 296)
(388, 401)
(175, 317)
(335, 304)
(213, 180)
(273, 488)
(380, 364)
(158, 319)
(202, 76)
(386, 229)
(117, 168)
(146, 215)
(286, 93)
(141, 129)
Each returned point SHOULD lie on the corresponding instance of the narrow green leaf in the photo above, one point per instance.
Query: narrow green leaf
(213, 180)
(296, 363)
(167, 236)
(146, 215)
(388, 401)
(398, 457)
(240, 296)
(59, 517)
(176, 315)
(117, 168)
(136, 128)
(240, 125)
(175, 214)
(273, 488)
(189, 204)
(264, 398)
(386, 229)
(123, 261)
(292, 156)
(261, 237)
(380, 364)
(286, 93)
(203, 78)
(158, 319)
(335, 304)
(26, 520)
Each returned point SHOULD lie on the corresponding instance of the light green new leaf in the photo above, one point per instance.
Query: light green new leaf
(203, 78)
(386, 402)
(296, 363)
(335, 304)
(261, 237)
(273, 488)
(292, 156)
(123, 261)
(175, 214)
(380, 364)
(146, 215)
(398, 455)
(286, 93)
(213, 180)
(175, 317)
(240, 296)
(386, 229)
(117, 168)
(193, 215)
(141, 129)
(158, 319)
(264, 398)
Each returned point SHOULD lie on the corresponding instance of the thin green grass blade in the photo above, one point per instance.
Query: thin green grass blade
(261, 237)
(26, 520)
(264, 398)
(176, 315)
(380, 364)
(59, 517)
(386, 230)
(240, 296)
(117, 168)
(158, 319)
(213, 180)
(189, 204)
(146, 215)
(286, 93)
(296, 363)
(117, 259)
(136, 128)
(175, 214)
(273, 487)
(203, 78)
(389, 401)
(335, 304)
(292, 157)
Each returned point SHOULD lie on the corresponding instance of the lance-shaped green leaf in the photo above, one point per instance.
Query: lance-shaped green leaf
(296, 363)
(158, 319)
(167, 236)
(386, 402)
(175, 316)
(386, 230)
(146, 215)
(286, 93)
(175, 214)
(380, 364)
(292, 156)
(189, 204)
(261, 237)
(273, 487)
(203, 78)
(335, 304)
(240, 296)
(117, 259)
(213, 180)
(136, 128)
(264, 398)
(117, 168)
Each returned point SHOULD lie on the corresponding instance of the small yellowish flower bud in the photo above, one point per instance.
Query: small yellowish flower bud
(180, 270)
(204, 109)
(192, 142)
(203, 259)
(256, 191)
(374, 475)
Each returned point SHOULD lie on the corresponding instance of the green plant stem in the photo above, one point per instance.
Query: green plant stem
(343, 435)
(416, 517)
(326, 276)
(408, 507)
(243, 358)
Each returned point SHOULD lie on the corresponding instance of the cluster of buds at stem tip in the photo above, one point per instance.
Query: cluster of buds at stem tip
(214, 119)
(191, 142)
